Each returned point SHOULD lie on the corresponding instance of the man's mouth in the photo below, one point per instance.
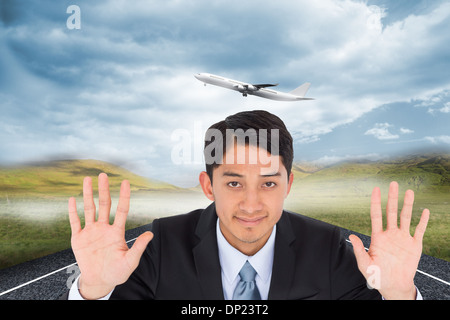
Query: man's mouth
(250, 221)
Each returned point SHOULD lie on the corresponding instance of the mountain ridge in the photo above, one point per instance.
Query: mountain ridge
(419, 169)
(65, 177)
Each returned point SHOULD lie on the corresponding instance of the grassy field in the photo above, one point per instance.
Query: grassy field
(33, 199)
(34, 227)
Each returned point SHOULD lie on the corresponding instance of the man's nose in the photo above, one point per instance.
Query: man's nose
(251, 202)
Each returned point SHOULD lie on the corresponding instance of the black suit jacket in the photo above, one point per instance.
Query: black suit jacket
(311, 261)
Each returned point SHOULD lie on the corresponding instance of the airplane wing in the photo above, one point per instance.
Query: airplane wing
(259, 86)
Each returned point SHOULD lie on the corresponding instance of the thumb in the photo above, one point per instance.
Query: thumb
(136, 251)
(362, 257)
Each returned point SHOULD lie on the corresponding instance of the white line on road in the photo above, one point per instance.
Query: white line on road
(37, 279)
(44, 276)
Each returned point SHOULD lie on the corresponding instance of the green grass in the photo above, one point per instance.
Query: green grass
(23, 239)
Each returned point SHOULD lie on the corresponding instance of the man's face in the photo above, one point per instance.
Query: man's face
(249, 197)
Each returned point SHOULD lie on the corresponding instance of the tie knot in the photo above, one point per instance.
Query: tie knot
(247, 272)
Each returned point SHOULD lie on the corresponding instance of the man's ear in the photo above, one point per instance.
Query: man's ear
(206, 184)
(290, 181)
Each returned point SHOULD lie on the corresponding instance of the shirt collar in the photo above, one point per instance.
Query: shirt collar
(232, 260)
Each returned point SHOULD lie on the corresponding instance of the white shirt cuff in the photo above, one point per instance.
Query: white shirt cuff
(418, 295)
(74, 293)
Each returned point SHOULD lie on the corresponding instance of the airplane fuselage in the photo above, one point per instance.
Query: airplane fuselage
(247, 88)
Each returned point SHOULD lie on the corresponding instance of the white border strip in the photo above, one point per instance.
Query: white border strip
(56, 271)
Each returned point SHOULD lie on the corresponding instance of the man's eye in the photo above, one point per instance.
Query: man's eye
(270, 184)
(233, 184)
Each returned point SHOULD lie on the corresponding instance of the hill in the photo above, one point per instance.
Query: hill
(65, 178)
(425, 173)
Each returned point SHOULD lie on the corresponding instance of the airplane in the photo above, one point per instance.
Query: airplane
(255, 89)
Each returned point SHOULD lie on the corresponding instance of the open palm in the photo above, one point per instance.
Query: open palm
(100, 248)
(391, 262)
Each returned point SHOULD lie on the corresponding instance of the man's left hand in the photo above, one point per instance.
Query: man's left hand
(391, 262)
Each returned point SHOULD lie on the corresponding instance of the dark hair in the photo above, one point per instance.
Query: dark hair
(251, 124)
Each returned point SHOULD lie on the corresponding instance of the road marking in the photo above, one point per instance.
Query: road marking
(56, 271)
(433, 277)
(37, 279)
(44, 276)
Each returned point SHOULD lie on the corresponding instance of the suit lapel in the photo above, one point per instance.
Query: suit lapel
(283, 260)
(206, 255)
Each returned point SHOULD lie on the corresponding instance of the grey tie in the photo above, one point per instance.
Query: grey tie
(246, 289)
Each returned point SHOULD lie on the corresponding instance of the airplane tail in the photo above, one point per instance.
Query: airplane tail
(301, 91)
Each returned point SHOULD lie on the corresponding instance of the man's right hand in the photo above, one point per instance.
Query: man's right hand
(100, 248)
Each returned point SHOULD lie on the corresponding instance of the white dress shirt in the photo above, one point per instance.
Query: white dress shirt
(232, 260)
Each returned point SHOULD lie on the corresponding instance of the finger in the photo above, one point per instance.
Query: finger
(89, 206)
(136, 251)
(405, 215)
(104, 198)
(392, 206)
(376, 215)
(362, 257)
(422, 226)
(123, 205)
(74, 220)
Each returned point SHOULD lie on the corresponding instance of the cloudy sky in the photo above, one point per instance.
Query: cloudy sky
(121, 88)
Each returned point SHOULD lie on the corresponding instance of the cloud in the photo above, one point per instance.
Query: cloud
(439, 139)
(446, 108)
(329, 160)
(381, 132)
(406, 131)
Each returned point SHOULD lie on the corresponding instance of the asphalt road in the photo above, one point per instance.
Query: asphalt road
(49, 277)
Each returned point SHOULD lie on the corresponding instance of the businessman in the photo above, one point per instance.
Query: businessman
(243, 245)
